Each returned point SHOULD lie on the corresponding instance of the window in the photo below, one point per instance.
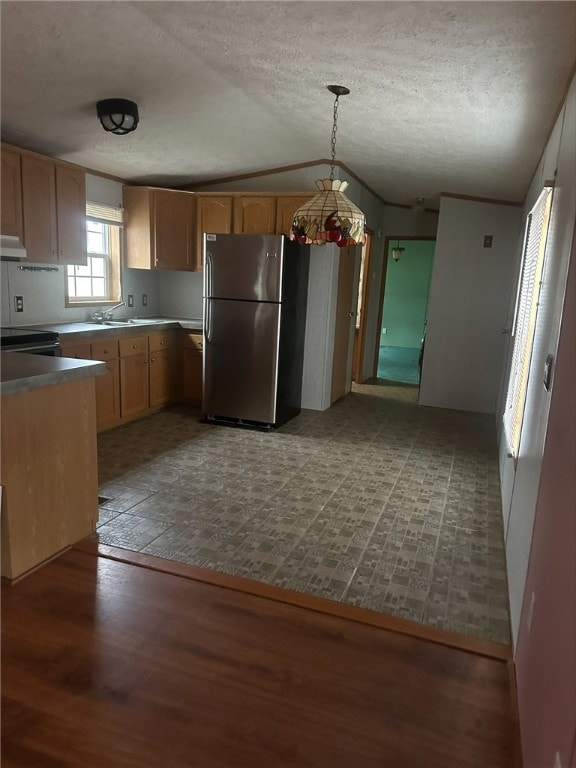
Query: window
(99, 280)
(525, 317)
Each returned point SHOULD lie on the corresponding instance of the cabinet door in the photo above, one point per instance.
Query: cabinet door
(108, 396)
(173, 229)
(255, 215)
(285, 209)
(77, 349)
(161, 377)
(213, 214)
(39, 209)
(134, 388)
(11, 199)
(191, 376)
(71, 215)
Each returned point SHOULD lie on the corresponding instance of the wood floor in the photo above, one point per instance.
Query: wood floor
(109, 663)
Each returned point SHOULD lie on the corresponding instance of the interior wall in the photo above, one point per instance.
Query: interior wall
(468, 305)
(524, 479)
(406, 294)
(546, 649)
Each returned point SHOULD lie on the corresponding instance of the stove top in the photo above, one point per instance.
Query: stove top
(12, 336)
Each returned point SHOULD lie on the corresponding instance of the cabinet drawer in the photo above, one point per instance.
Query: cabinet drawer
(194, 341)
(79, 350)
(133, 345)
(160, 340)
(105, 350)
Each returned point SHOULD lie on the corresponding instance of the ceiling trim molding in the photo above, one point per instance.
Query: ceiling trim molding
(286, 168)
(475, 199)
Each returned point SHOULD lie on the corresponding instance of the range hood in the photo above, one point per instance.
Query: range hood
(11, 248)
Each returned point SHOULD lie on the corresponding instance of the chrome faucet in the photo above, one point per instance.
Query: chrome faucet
(108, 312)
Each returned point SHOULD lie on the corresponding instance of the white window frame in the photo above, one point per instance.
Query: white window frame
(525, 316)
(112, 218)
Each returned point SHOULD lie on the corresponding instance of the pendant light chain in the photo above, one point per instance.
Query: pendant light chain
(333, 139)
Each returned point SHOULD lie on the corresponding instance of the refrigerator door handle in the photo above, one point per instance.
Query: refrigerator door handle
(208, 295)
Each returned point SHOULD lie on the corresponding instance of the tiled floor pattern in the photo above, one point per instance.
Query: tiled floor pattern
(376, 502)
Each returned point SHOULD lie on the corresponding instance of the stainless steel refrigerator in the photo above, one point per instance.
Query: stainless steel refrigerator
(255, 293)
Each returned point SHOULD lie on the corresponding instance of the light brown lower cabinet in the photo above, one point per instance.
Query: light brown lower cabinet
(49, 472)
(162, 348)
(141, 374)
(108, 385)
(133, 375)
(191, 361)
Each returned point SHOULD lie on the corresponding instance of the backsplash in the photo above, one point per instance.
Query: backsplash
(43, 294)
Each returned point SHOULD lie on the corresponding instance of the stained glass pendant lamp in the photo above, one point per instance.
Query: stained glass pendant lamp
(330, 217)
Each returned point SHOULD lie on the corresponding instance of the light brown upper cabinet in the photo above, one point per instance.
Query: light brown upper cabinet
(11, 186)
(71, 215)
(213, 214)
(285, 209)
(255, 215)
(159, 227)
(54, 211)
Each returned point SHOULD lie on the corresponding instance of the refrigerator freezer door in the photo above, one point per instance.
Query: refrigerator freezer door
(247, 267)
(241, 360)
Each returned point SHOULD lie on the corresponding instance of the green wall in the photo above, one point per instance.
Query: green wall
(406, 293)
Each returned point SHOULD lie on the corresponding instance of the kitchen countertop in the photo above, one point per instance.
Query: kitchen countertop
(68, 331)
(21, 372)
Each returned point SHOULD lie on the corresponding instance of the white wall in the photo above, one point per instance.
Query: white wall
(521, 487)
(179, 294)
(468, 305)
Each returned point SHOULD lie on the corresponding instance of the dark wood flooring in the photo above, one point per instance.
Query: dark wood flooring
(109, 663)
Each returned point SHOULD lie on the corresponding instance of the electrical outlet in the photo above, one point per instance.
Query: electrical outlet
(487, 241)
(384, 330)
(144, 300)
(130, 300)
(18, 303)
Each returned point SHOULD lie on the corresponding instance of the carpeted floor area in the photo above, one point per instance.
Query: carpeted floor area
(399, 364)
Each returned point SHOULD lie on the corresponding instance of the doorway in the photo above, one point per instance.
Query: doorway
(403, 309)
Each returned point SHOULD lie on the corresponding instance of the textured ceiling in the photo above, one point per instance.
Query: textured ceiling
(445, 96)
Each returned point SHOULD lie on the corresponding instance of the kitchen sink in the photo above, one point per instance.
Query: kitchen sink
(128, 321)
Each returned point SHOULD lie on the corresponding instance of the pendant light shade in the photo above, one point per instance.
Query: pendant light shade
(397, 251)
(330, 217)
(118, 116)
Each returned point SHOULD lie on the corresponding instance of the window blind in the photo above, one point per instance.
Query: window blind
(525, 316)
(105, 213)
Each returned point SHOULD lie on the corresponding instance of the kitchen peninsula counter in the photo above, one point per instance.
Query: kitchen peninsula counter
(48, 460)
(21, 372)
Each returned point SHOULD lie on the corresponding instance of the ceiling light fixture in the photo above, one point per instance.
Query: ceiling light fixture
(420, 203)
(330, 217)
(398, 251)
(118, 116)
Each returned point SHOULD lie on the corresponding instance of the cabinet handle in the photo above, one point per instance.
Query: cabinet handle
(134, 346)
(162, 342)
(105, 351)
(152, 360)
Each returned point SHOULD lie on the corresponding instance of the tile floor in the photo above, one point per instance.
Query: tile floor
(376, 502)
